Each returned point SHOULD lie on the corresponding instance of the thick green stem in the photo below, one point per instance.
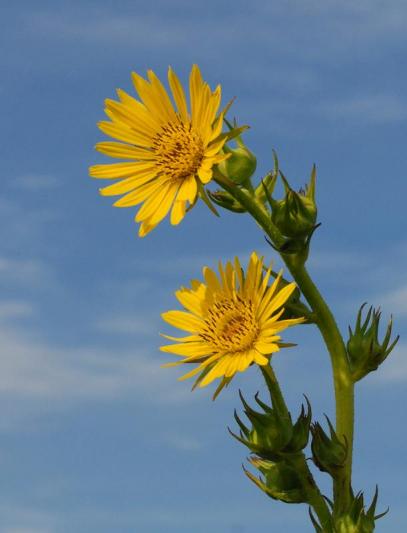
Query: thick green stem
(299, 462)
(343, 383)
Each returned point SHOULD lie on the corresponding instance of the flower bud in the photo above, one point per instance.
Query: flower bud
(273, 435)
(364, 349)
(328, 452)
(280, 481)
(358, 519)
(301, 430)
(241, 163)
(270, 433)
(296, 214)
(265, 189)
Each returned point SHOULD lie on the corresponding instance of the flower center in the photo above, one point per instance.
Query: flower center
(230, 326)
(178, 149)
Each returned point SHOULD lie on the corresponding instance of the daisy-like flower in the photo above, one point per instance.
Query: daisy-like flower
(233, 321)
(169, 150)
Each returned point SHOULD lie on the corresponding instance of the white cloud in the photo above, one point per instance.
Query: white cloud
(377, 108)
(396, 301)
(25, 272)
(22, 519)
(183, 443)
(394, 369)
(103, 27)
(337, 259)
(22, 227)
(37, 378)
(12, 309)
(34, 182)
(128, 324)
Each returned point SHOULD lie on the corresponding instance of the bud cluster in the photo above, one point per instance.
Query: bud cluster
(295, 215)
(365, 351)
(358, 519)
(276, 443)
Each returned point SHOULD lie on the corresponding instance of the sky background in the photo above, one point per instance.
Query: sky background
(95, 437)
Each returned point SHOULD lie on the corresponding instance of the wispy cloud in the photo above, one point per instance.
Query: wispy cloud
(14, 309)
(35, 182)
(394, 369)
(128, 324)
(377, 108)
(24, 272)
(104, 27)
(183, 443)
(33, 372)
(396, 300)
(331, 260)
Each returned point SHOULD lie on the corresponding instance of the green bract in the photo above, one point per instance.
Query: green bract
(328, 452)
(365, 351)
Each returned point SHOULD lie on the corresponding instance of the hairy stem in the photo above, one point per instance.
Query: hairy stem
(299, 462)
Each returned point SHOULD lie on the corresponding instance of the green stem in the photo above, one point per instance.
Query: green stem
(258, 211)
(276, 395)
(343, 383)
(299, 462)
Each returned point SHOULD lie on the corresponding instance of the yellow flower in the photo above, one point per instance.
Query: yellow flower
(233, 321)
(170, 151)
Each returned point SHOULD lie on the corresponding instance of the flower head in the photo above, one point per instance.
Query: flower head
(233, 321)
(169, 150)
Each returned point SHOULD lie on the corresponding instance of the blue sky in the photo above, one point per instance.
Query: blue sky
(94, 435)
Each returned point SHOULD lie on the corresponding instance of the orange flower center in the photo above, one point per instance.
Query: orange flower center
(230, 326)
(179, 150)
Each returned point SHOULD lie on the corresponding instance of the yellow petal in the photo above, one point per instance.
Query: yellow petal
(152, 121)
(152, 204)
(178, 94)
(183, 320)
(260, 359)
(123, 133)
(205, 175)
(145, 228)
(164, 206)
(139, 195)
(178, 212)
(188, 190)
(130, 118)
(197, 349)
(124, 151)
(128, 184)
(280, 298)
(190, 301)
(211, 279)
(117, 170)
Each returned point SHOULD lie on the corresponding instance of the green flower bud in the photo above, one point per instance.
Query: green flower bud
(364, 349)
(358, 519)
(265, 189)
(273, 435)
(280, 481)
(240, 165)
(328, 452)
(270, 433)
(296, 214)
(301, 430)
